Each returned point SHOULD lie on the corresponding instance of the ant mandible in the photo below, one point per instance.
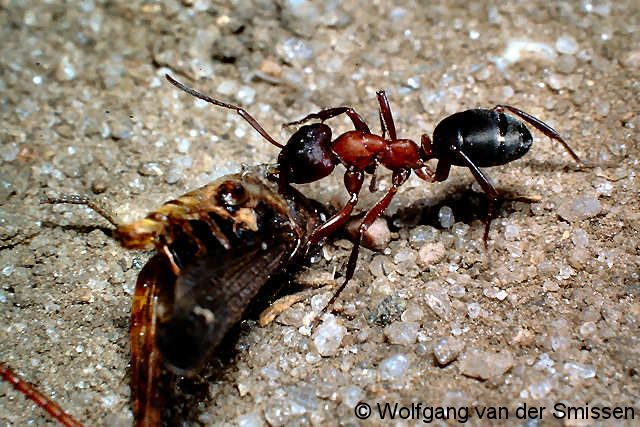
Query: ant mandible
(472, 138)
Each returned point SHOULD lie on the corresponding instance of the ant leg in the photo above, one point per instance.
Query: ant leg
(542, 127)
(425, 173)
(94, 205)
(322, 115)
(382, 126)
(241, 111)
(32, 393)
(373, 184)
(399, 178)
(487, 187)
(353, 180)
(385, 109)
(442, 170)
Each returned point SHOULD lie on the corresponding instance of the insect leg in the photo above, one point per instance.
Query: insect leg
(358, 121)
(487, 187)
(353, 181)
(94, 205)
(241, 111)
(399, 178)
(269, 314)
(542, 127)
(425, 173)
(385, 110)
(32, 393)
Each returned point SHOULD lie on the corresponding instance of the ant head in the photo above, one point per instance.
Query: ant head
(427, 146)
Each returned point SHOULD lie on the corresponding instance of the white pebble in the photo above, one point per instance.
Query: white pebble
(577, 371)
(394, 367)
(473, 309)
(402, 333)
(413, 313)
(351, 395)
(445, 216)
(328, 336)
(447, 349)
(567, 45)
(511, 232)
(485, 364)
(580, 208)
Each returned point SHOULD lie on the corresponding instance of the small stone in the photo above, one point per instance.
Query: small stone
(150, 169)
(413, 313)
(328, 336)
(351, 395)
(511, 232)
(631, 59)
(540, 390)
(587, 329)
(447, 349)
(438, 301)
(445, 216)
(394, 367)
(253, 419)
(388, 310)
(65, 70)
(580, 238)
(294, 50)
(580, 208)
(376, 237)
(423, 234)
(99, 186)
(402, 333)
(431, 254)
(474, 310)
(480, 364)
(578, 371)
(10, 152)
(567, 45)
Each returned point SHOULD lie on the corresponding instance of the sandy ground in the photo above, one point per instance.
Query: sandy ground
(548, 315)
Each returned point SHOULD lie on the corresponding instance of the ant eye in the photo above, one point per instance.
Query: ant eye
(231, 194)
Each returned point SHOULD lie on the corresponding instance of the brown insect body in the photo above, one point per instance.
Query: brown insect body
(227, 239)
(220, 247)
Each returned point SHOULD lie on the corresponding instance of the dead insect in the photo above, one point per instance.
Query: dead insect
(473, 138)
(218, 246)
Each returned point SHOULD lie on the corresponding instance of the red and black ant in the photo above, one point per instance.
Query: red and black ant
(473, 138)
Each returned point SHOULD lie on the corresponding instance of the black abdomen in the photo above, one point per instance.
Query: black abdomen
(487, 137)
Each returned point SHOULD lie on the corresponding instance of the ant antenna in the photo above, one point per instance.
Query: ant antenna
(241, 111)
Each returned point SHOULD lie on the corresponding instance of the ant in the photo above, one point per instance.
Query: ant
(472, 138)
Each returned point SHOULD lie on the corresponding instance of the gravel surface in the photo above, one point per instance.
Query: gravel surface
(548, 314)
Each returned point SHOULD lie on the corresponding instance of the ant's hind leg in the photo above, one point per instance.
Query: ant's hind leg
(241, 111)
(542, 127)
(322, 115)
(487, 187)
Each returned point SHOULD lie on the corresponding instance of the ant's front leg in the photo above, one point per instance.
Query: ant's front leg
(353, 181)
(399, 178)
(358, 121)
(385, 114)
